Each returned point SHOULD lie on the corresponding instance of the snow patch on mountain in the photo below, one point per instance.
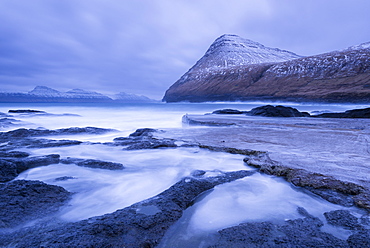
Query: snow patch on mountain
(233, 50)
(365, 45)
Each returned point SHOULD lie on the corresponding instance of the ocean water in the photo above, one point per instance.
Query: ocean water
(149, 172)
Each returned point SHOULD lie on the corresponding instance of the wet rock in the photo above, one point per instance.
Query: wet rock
(228, 112)
(93, 163)
(7, 122)
(22, 201)
(189, 121)
(65, 178)
(24, 133)
(303, 232)
(198, 173)
(342, 218)
(231, 150)
(4, 115)
(143, 139)
(38, 143)
(141, 132)
(360, 239)
(152, 144)
(10, 168)
(333, 196)
(14, 154)
(141, 225)
(8, 171)
(277, 111)
(25, 111)
(354, 113)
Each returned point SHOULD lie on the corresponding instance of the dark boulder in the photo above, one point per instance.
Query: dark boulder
(22, 201)
(93, 163)
(277, 111)
(140, 225)
(354, 113)
(228, 112)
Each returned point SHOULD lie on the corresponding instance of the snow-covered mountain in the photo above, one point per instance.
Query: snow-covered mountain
(46, 94)
(43, 91)
(232, 50)
(236, 69)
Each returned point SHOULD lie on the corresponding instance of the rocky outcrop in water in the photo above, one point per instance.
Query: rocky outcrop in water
(277, 111)
(339, 76)
(143, 139)
(354, 113)
(140, 225)
(282, 111)
(93, 163)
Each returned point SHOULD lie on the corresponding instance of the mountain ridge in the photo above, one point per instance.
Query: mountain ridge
(338, 76)
(46, 94)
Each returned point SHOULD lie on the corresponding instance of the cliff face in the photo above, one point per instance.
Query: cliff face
(341, 76)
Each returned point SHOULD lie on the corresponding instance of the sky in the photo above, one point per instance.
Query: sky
(144, 46)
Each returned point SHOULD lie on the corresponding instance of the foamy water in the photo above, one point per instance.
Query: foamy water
(149, 172)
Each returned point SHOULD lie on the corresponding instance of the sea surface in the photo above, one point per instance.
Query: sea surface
(149, 172)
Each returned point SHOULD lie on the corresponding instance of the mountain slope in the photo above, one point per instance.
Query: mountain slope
(341, 76)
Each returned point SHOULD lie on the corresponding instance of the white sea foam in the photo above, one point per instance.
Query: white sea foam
(147, 173)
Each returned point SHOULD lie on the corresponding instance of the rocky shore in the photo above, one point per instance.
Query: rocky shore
(324, 157)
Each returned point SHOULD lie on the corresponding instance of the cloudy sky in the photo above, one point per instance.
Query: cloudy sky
(144, 46)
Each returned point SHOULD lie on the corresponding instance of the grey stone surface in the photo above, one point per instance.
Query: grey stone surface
(22, 201)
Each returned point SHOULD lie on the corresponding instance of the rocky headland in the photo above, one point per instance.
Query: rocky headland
(237, 69)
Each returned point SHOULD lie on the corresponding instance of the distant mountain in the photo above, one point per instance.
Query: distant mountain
(126, 97)
(236, 69)
(46, 94)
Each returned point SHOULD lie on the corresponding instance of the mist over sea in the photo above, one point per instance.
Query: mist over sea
(151, 171)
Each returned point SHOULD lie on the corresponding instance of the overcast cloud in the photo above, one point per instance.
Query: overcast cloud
(144, 46)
